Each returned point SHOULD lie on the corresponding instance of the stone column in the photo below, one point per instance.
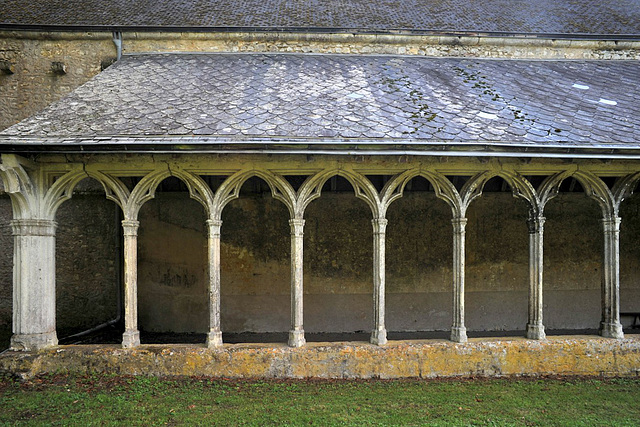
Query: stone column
(610, 326)
(34, 284)
(535, 328)
(458, 330)
(379, 333)
(296, 334)
(131, 336)
(214, 336)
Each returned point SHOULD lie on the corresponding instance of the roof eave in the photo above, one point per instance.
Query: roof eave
(287, 146)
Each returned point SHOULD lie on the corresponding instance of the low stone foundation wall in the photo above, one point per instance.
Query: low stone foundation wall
(566, 355)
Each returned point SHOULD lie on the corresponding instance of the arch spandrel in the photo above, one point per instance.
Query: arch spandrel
(596, 189)
(18, 185)
(230, 190)
(363, 189)
(472, 189)
(625, 187)
(550, 188)
(114, 188)
(443, 188)
(145, 190)
(521, 188)
(61, 191)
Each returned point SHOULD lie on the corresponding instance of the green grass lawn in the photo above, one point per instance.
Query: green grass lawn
(117, 400)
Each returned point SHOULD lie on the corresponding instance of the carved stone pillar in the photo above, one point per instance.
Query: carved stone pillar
(458, 330)
(131, 336)
(296, 333)
(610, 326)
(214, 336)
(535, 327)
(34, 284)
(379, 333)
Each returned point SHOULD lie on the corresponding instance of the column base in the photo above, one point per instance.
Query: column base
(611, 330)
(536, 332)
(214, 339)
(130, 339)
(459, 334)
(33, 342)
(296, 338)
(378, 337)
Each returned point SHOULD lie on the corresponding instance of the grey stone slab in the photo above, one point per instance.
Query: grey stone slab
(300, 96)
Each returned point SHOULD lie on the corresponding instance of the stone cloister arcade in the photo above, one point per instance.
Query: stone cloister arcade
(37, 189)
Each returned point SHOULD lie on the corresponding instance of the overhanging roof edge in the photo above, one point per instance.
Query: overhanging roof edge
(284, 146)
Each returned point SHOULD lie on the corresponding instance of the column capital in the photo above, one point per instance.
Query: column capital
(213, 227)
(130, 227)
(297, 226)
(379, 225)
(459, 224)
(611, 224)
(536, 224)
(214, 222)
(33, 227)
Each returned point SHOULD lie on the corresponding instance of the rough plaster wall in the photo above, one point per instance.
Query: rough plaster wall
(86, 263)
(497, 271)
(419, 259)
(255, 269)
(33, 85)
(338, 265)
(573, 233)
(172, 292)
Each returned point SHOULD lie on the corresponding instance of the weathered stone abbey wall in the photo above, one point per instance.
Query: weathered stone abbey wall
(32, 82)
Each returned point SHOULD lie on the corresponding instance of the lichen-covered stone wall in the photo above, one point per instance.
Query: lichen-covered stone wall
(590, 356)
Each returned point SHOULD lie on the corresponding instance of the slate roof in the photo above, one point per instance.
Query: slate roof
(613, 17)
(338, 100)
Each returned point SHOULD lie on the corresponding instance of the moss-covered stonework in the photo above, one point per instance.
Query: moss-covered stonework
(567, 355)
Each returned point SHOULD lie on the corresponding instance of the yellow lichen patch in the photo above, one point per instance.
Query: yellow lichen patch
(568, 355)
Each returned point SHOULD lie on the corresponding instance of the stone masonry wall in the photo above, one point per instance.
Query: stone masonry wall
(6, 270)
(32, 83)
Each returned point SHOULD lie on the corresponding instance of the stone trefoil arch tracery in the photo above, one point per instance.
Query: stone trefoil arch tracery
(37, 190)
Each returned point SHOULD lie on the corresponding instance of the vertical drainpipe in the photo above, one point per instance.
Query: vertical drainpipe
(117, 40)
